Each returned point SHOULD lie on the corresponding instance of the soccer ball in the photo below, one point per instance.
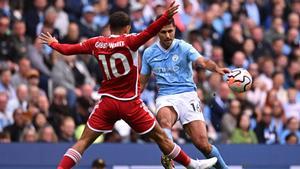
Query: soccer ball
(239, 80)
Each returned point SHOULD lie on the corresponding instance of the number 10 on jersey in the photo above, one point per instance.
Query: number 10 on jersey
(109, 65)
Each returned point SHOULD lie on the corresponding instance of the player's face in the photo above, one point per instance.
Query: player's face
(166, 35)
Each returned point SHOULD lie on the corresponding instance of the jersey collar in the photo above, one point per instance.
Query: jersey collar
(166, 50)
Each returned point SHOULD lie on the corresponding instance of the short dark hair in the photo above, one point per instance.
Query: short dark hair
(171, 20)
(297, 76)
(118, 20)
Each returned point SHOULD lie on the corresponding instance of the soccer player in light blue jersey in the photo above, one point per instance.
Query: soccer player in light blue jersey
(170, 60)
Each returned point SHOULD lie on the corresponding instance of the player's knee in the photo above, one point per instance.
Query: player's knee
(165, 123)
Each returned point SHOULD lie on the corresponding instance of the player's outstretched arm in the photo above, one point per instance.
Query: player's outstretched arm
(136, 41)
(66, 49)
(211, 65)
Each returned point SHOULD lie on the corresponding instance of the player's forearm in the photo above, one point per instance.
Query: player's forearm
(210, 65)
(69, 49)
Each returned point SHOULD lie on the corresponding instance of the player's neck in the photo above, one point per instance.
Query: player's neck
(166, 47)
(119, 32)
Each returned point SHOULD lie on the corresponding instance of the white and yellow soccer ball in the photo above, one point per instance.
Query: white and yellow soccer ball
(239, 80)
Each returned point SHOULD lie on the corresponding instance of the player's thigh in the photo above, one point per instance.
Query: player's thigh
(137, 116)
(104, 115)
(189, 107)
(197, 132)
(166, 116)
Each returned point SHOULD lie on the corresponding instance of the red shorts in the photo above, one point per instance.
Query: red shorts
(109, 110)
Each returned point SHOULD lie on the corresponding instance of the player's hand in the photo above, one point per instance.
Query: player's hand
(47, 38)
(222, 71)
(172, 10)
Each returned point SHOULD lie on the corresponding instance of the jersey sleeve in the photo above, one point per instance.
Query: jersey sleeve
(192, 53)
(85, 47)
(137, 40)
(145, 70)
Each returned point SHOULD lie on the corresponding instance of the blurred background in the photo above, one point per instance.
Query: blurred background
(46, 97)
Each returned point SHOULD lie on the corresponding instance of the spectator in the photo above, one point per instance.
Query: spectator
(21, 76)
(189, 18)
(297, 86)
(252, 10)
(230, 120)
(293, 21)
(239, 60)
(278, 81)
(29, 135)
(101, 8)
(72, 35)
(248, 49)
(262, 47)
(43, 105)
(67, 129)
(219, 105)
(268, 69)
(21, 101)
(258, 93)
(120, 5)
(243, 133)
(5, 120)
(137, 19)
(265, 129)
(48, 24)
(88, 27)
(292, 69)
(277, 12)
(62, 75)
(5, 39)
(4, 137)
(6, 84)
(98, 164)
(20, 41)
(292, 108)
(233, 40)
(17, 127)
(47, 134)
(39, 121)
(279, 117)
(58, 108)
(62, 20)
(35, 16)
(278, 47)
(292, 126)
(292, 139)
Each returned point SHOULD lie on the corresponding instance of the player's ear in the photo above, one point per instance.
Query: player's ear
(128, 28)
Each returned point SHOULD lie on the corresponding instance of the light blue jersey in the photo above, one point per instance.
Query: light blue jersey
(172, 68)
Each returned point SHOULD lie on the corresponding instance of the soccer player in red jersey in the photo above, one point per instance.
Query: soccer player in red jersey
(120, 89)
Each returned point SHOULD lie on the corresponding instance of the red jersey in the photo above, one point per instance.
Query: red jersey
(117, 58)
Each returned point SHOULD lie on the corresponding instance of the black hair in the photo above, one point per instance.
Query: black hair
(118, 20)
(292, 134)
(171, 20)
(297, 76)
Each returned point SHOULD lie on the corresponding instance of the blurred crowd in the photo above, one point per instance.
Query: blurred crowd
(47, 97)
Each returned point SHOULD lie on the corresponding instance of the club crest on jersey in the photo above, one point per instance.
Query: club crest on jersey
(175, 58)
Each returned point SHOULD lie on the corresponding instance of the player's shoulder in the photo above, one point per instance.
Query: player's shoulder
(152, 49)
(183, 44)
